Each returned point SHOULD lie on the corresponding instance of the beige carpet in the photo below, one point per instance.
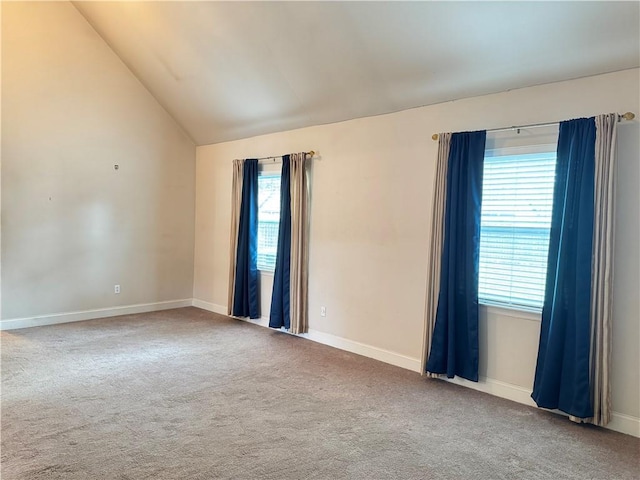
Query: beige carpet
(187, 394)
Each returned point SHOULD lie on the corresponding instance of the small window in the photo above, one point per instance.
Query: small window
(517, 196)
(268, 219)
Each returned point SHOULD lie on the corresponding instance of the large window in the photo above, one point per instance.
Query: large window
(268, 219)
(517, 195)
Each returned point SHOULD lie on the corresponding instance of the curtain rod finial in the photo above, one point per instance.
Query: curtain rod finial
(434, 136)
(628, 116)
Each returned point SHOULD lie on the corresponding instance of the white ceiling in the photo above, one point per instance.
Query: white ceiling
(229, 70)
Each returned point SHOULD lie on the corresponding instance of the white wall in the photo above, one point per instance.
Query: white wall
(72, 226)
(370, 221)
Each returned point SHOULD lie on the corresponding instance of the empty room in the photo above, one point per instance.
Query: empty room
(320, 240)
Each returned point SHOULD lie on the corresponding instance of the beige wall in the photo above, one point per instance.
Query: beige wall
(370, 220)
(72, 226)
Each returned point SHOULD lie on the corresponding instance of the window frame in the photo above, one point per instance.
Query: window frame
(272, 169)
(511, 150)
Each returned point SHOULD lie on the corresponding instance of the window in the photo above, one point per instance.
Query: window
(268, 219)
(517, 195)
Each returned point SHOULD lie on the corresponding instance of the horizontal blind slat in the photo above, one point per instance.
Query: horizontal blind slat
(517, 199)
(268, 220)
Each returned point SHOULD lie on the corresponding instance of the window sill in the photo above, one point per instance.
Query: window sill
(507, 311)
(268, 273)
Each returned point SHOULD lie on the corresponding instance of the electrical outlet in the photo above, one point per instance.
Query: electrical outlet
(323, 311)
(116, 289)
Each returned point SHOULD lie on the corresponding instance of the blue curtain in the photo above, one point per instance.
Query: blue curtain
(562, 371)
(279, 316)
(246, 298)
(454, 345)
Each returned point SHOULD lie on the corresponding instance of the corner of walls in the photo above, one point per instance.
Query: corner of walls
(74, 225)
(79, 7)
(211, 307)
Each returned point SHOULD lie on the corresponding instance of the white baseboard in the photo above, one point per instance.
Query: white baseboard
(500, 389)
(212, 307)
(263, 322)
(365, 350)
(623, 423)
(332, 340)
(222, 310)
(52, 319)
(619, 421)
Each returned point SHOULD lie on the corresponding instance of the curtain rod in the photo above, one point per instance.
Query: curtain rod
(624, 116)
(311, 153)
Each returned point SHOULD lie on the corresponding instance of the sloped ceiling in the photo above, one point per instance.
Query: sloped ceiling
(229, 70)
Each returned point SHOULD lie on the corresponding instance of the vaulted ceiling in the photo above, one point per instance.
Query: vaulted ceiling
(229, 70)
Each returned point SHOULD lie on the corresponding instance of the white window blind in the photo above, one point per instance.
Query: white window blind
(517, 195)
(268, 220)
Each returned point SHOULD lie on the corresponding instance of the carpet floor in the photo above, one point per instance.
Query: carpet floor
(188, 394)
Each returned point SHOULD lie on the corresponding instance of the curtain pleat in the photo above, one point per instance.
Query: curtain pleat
(562, 369)
(280, 298)
(436, 241)
(246, 299)
(602, 269)
(299, 243)
(454, 345)
(236, 202)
